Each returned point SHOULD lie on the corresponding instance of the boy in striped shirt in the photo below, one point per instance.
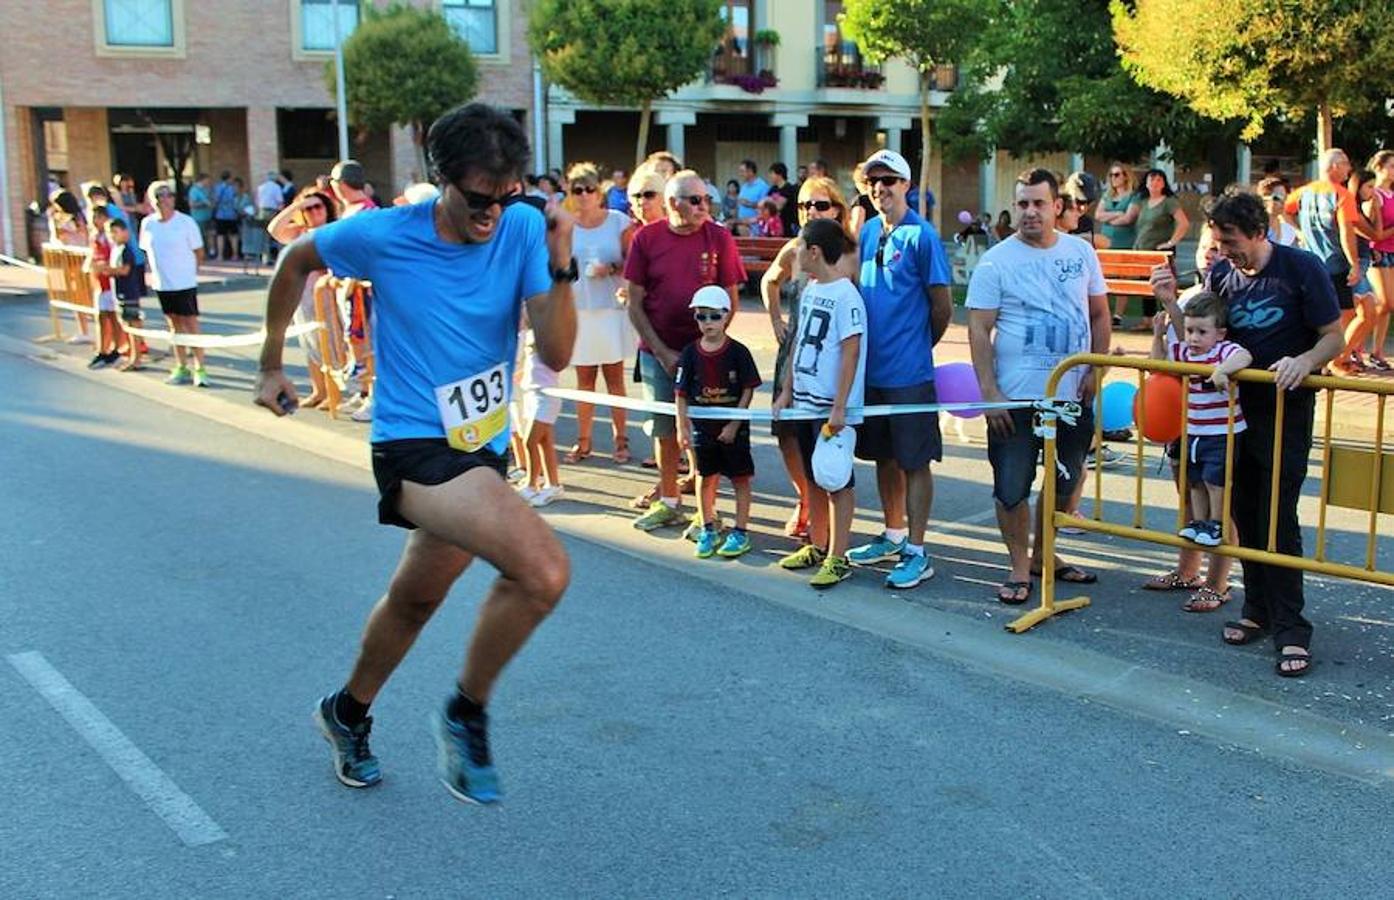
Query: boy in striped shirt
(1204, 325)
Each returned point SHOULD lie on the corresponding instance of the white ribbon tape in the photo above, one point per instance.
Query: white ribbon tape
(727, 413)
(210, 341)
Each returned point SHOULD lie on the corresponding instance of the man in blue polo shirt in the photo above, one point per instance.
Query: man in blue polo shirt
(905, 284)
(450, 277)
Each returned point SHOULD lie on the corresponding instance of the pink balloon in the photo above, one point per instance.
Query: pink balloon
(965, 217)
(958, 383)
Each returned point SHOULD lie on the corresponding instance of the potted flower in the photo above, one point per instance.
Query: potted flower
(765, 40)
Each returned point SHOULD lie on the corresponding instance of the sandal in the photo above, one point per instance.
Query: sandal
(687, 484)
(577, 453)
(1014, 593)
(1072, 575)
(621, 454)
(645, 500)
(649, 463)
(1172, 581)
(1206, 599)
(1250, 633)
(797, 523)
(1304, 657)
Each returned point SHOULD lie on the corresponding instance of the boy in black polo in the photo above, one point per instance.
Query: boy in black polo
(717, 371)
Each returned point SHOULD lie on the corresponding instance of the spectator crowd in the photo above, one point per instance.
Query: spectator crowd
(1296, 279)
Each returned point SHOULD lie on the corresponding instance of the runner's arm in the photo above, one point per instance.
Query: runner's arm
(295, 264)
(553, 314)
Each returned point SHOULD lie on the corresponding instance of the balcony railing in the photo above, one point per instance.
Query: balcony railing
(847, 69)
(752, 70)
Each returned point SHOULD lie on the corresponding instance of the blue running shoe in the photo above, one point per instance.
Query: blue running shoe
(910, 571)
(879, 550)
(354, 763)
(737, 544)
(465, 767)
(706, 543)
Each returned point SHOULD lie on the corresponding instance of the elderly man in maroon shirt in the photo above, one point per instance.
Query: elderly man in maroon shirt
(668, 261)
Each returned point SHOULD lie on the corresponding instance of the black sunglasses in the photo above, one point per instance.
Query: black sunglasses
(644, 195)
(695, 199)
(579, 189)
(481, 202)
(884, 180)
(820, 205)
(709, 317)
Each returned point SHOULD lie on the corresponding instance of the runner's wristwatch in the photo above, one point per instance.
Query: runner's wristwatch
(570, 273)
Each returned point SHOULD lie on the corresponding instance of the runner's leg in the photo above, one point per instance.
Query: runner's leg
(532, 564)
(429, 566)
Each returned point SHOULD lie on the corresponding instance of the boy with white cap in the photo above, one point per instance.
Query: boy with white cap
(717, 371)
(825, 373)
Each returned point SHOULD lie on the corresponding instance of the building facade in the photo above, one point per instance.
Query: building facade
(93, 87)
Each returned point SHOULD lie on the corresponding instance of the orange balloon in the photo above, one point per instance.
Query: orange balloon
(1160, 419)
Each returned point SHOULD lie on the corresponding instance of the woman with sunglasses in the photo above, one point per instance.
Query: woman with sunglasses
(604, 337)
(1113, 208)
(311, 210)
(780, 288)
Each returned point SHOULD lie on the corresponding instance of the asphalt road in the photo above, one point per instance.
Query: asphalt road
(668, 733)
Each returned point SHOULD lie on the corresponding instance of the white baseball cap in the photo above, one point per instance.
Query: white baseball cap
(887, 159)
(711, 297)
(832, 458)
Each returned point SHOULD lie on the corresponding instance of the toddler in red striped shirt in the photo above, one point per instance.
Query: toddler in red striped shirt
(1202, 341)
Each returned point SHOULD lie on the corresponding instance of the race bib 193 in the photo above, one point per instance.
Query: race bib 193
(474, 410)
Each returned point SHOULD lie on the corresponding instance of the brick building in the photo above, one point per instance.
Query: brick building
(92, 87)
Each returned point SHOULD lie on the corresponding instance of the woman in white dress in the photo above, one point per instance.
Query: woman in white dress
(604, 338)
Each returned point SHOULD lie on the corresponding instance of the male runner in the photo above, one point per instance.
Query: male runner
(450, 276)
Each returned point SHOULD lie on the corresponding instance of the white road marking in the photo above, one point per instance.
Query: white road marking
(178, 810)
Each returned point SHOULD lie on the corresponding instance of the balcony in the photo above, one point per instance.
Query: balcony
(844, 67)
(734, 63)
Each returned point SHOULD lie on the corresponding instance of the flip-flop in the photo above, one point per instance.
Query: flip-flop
(1071, 575)
(576, 454)
(1293, 657)
(1206, 596)
(1172, 581)
(1251, 633)
(621, 454)
(1014, 593)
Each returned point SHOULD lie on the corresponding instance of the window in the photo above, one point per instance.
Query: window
(139, 23)
(317, 22)
(737, 15)
(476, 22)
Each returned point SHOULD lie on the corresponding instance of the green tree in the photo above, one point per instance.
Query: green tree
(1043, 76)
(923, 33)
(625, 52)
(1257, 60)
(404, 65)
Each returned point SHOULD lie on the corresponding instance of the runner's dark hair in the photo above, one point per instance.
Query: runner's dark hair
(1040, 176)
(476, 137)
(1240, 209)
(827, 235)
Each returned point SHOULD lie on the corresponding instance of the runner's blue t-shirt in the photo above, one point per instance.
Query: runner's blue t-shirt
(900, 349)
(442, 312)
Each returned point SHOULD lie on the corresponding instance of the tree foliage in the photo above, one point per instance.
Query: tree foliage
(1044, 76)
(404, 66)
(1259, 60)
(625, 52)
(922, 33)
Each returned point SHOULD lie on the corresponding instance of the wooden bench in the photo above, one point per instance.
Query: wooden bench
(1126, 272)
(758, 253)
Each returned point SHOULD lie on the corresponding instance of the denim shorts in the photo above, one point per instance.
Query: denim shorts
(1013, 457)
(1206, 460)
(1363, 288)
(658, 386)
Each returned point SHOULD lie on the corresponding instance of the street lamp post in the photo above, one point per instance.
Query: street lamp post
(342, 102)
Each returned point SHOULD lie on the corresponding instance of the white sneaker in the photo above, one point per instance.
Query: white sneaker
(517, 476)
(80, 338)
(527, 492)
(364, 413)
(547, 495)
(349, 405)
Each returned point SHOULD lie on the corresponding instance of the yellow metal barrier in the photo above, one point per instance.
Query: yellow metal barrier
(1351, 477)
